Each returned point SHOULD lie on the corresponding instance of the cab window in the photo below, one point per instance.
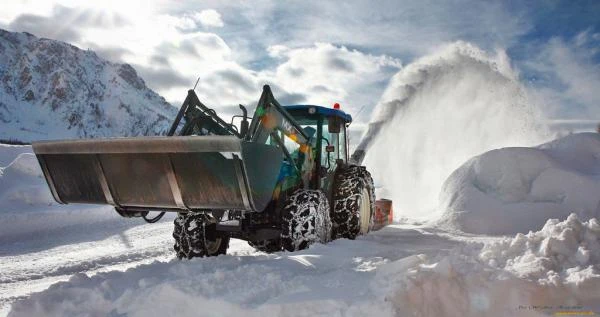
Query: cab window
(334, 142)
(343, 150)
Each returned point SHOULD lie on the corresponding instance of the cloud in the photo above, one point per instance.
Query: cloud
(162, 78)
(113, 54)
(64, 23)
(43, 27)
(159, 60)
(237, 78)
(326, 73)
(402, 28)
(317, 52)
(209, 18)
(340, 64)
(319, 74)
(569, 75)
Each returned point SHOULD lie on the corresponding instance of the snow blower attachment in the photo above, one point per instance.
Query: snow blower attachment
(281, 181)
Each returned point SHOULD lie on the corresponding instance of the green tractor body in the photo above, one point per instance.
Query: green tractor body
(251, 182)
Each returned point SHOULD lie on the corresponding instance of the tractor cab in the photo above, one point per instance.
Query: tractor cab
(327, 129)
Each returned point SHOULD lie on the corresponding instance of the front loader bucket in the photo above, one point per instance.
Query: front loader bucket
(162, 173)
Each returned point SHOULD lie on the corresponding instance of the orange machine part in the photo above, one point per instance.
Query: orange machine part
(384, 213)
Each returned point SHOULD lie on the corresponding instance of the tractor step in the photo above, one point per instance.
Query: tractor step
(229, 226)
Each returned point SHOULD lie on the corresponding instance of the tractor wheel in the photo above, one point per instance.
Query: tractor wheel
(305, 220)
(195, 236)
(353, 202)
(268, 246)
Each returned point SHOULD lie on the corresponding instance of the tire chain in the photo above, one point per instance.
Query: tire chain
(347, 198)
(305, 220)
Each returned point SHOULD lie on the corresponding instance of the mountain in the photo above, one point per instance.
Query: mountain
(54, 90)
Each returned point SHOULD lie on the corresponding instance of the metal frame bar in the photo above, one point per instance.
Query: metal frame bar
(103, 182)
(241, 178)
(174, 185)
(49, 179)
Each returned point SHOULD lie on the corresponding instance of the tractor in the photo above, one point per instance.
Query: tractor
(280, 180)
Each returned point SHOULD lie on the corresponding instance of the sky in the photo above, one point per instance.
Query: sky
(322, 52)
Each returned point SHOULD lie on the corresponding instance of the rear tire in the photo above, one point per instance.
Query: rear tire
(305, 220)
(189, 234)
(353, 202)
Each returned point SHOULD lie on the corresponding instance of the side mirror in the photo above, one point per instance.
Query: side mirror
(244, 124)
(335, 124)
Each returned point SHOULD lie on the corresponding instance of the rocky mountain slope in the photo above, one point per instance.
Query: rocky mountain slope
(51, 90)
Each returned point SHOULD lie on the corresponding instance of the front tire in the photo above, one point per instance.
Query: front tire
(195, 236)
(353, 202)
(305, 220)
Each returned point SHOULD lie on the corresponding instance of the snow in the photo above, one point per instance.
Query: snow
(512, 190)
(438, 112)
(510, 276)
(331, 279)
(26, 204)
(53, 90)
(398, 271)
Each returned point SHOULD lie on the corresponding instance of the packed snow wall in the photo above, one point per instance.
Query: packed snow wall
(517, 189)
(437, 113)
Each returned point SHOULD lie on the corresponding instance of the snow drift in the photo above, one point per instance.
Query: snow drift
(542, 273)
(512, 190)
(437, 113)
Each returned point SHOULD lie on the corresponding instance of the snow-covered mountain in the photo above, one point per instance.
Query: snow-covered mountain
(51, 90)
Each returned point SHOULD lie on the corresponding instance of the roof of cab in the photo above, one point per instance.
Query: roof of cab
(322, 110)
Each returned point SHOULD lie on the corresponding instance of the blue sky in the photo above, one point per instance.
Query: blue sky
(325, 52)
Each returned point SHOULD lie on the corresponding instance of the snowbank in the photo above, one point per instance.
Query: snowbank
(371, 276)
(512, 190)
(440, 111)
(9, 152)
(542, 273)
(22, 184)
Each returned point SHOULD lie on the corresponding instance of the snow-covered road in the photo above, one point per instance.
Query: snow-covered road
(32, 266)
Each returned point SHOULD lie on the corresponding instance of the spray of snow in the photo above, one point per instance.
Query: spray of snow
(438, 112)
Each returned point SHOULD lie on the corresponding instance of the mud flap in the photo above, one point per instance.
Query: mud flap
(162, 173)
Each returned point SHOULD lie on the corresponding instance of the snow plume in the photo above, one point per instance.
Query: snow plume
(438, 112)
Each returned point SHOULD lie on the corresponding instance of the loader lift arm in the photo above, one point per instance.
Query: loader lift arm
(270, 116)
(269, 119)
(201, 120)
